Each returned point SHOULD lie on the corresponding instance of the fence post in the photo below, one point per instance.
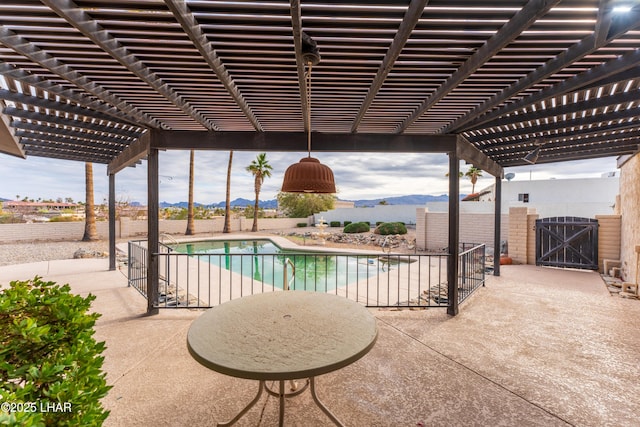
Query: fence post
(454, 217)
(153, 231)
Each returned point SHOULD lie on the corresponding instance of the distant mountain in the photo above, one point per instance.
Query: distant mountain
(242, 203)
(239, 202)
(413, 199)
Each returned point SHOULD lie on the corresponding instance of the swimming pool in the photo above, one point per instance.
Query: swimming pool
(264, 261)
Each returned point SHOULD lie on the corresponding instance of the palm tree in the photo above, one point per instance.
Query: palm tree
(261, 169)
(90, 232)
(191, 228)
(227, 205)
(473, 173)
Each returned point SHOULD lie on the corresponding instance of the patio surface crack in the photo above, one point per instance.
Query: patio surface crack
(475, 372)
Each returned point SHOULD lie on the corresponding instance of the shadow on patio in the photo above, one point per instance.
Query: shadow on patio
(536, 346)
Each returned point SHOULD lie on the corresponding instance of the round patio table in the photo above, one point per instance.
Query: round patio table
(282, 336)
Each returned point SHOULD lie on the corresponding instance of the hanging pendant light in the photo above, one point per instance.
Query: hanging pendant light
(309, 175)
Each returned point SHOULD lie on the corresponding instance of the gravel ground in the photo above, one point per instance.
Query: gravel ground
(22, 253)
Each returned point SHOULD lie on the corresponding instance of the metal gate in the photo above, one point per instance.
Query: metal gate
(567, 242)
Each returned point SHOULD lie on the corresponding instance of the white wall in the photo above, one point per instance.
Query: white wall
(127, 228)
(378, 213)
(583, 197)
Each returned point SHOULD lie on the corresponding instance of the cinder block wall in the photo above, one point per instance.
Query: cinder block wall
(432, 229)
(127, 228)
(630, 210)
(521, 233)
(609, 238)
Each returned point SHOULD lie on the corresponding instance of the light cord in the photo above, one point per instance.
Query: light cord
(308, 85)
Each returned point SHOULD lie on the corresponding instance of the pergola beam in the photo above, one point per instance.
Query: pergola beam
(411, 18)
(559, 110)
(130, 155)
(569, 155)
(296, 141)
(71, 123)
(618, 124)
(17, 124)
(296, 28)
(82, 21)
(9, 144)
(200, 41)
(469, 153)
(34, 101)
(533, 10)
(586, 46)
(45, 60)
(94, 107)
(567, 128)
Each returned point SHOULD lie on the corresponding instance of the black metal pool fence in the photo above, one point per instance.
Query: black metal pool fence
(373, 279)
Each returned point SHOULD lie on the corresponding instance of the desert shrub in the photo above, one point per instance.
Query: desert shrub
(50, 364)
(346, 223)
(302, 224)
(334, 223)
(7, 218)
(357, 227)
(379, 222)
(64, 219)
(391, 228)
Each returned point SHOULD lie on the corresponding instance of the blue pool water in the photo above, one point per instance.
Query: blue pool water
(264, 261)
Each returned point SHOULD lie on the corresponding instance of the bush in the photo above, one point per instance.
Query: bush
(64, 219)
(10, 219)
(49, 358)
(302, 224)
(379, 223)
(346, 223)
(391, 228)
(357, 227)
(334, 223)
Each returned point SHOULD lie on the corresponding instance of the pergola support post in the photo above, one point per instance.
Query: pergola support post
(497, 226)
(112, 221)
(153, 234)
(454, 213)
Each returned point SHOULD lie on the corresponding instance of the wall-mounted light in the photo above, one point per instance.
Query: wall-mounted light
(532, 156)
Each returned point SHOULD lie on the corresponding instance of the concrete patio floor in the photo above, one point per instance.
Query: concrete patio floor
(535, 347)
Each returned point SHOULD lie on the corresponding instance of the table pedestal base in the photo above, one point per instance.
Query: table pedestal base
(281, 395)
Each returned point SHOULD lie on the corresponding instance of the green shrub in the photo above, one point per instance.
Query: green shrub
(357, 227)
(50, 364)
(346, 223)
(379, 222)
(302, 224)
(391, 228)
(334, 223)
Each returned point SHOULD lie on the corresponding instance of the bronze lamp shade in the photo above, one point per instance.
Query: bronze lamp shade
(308, 176)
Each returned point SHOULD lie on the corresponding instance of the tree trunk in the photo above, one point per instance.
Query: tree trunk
(227, 207)
(257, 186)
(191, 228)
(90, 232)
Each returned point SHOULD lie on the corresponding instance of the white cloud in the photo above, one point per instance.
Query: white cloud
(358, 176)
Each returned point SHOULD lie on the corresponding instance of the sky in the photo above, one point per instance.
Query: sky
(358, 176)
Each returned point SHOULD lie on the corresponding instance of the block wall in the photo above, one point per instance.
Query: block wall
(432, 229)
(609, 235)
(630, 211)
(127, 228)
(522, 234)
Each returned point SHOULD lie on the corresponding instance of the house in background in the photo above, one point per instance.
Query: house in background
(579, 197)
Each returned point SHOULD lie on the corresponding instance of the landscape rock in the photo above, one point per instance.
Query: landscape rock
(83, 253)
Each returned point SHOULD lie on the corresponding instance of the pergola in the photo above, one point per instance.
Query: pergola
(114, 81)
